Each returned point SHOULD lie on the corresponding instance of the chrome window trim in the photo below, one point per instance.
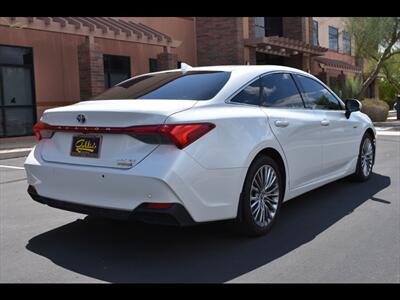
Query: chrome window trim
(296, 86)
(228, 99)
(341, 103)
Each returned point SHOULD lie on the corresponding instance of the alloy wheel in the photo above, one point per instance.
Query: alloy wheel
(264, 195)
(367, 153)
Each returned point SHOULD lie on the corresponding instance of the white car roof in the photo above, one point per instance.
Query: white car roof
(255, 69)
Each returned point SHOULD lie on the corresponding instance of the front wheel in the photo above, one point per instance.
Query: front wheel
(366, 158)
(261, 197)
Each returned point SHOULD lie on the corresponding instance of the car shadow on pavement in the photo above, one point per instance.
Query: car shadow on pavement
(116, 251)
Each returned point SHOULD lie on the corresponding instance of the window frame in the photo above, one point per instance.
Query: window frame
(295, 84)
(3, 107)
(337, 38)
(346, 40)
(242, 89)
(153, 60)
(261, 28)
(229, 98)
(315, 22)
(233, 95)
(107, 79)
(340, 102)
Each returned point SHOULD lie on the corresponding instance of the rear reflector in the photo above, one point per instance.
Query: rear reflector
(181, 135)
(159, 205)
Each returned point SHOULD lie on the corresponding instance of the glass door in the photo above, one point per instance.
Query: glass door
(17, 105)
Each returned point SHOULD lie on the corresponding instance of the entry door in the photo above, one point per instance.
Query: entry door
(297, 129)
(16, 101)
(339, 136)
(299, 133)
(341, 150)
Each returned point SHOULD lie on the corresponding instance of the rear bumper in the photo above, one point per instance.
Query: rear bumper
(167, 175)
(176, 215)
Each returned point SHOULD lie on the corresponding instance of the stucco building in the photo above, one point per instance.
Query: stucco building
(319, 45)
(54, 61)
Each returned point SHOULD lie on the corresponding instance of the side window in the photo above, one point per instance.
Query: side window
(316, 96)
(279, 90)
(249, 95)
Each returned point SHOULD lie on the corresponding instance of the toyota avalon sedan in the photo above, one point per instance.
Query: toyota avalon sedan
(200, 144)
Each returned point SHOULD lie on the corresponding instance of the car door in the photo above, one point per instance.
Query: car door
(339, 135)
(297, 129)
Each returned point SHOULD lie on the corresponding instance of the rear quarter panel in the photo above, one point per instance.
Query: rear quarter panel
(241, 132)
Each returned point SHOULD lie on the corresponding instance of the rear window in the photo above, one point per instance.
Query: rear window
(177, 85)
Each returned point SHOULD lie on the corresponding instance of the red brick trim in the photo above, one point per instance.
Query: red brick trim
(91, 69)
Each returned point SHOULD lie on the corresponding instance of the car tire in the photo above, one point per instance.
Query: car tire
(249, 221)
(366, 159)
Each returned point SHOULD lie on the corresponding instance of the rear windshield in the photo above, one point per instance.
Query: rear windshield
(177, 85)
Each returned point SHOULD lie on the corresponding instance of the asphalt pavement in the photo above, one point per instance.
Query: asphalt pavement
(342, 232)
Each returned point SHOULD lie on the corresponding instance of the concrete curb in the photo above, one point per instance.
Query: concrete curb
(387, 124)
(14, 153)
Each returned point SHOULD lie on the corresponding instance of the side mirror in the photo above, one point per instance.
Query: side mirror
(352, 105)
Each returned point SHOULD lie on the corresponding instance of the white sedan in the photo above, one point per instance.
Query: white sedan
(199, 144)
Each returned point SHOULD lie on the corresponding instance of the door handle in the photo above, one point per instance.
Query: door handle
(325, 122)
(281, 123)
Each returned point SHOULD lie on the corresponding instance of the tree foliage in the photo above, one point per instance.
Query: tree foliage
(377, 40)
(352, 87)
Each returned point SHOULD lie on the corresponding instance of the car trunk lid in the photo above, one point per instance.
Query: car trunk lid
(116, 150)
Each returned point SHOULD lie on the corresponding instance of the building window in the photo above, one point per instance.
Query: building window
(153, 67)
(333, 38)
(346, 42)
(315, 33)
(178, 64)
(259, 26)
(273, 26)
(116, 69)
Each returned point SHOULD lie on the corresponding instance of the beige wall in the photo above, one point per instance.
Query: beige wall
(179, 28)
(323, 31)
(139, 53)
(56, 59)
(55, 64)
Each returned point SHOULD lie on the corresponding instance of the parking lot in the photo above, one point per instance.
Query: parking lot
(342, 232)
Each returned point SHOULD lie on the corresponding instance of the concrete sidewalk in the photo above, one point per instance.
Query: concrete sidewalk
(391, 121)
(16, 147)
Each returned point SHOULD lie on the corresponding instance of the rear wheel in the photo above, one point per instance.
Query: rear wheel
(365, 158)
(261, 197)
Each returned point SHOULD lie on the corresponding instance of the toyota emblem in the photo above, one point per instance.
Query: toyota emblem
(81, 118)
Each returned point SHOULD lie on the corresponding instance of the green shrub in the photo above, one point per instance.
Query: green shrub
(387, 92)
(377, 110)
(352, 87)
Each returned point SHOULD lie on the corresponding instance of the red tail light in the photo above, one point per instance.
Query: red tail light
(43, 131)
(181, 135)
(185, 134)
